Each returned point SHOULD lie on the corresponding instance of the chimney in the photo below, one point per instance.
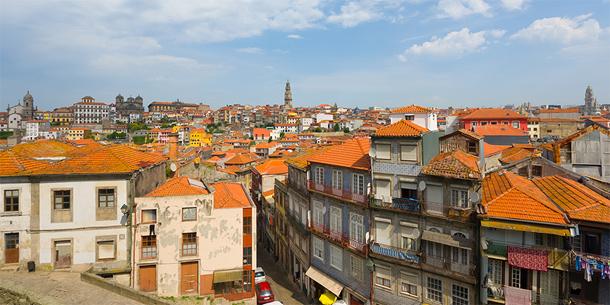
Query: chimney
(173, 146)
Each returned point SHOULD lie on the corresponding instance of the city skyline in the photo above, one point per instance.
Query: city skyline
(468, 53)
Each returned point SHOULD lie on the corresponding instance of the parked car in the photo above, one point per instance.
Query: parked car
(264, 294)
(259, 275)
(275, 303)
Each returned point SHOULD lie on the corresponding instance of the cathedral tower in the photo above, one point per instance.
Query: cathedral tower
(28, 106)
(288, 97)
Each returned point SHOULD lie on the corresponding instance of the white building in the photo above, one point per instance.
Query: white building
(323, 117)
(421, 116)
(88, 111)
(33, 128)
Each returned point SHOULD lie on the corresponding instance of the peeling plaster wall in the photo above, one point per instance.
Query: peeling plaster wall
(219, 234)
(17, 222)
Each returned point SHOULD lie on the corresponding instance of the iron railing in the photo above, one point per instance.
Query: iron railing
(345, 194)
(449, 264)
(446, 210)
(395, 252)
(339, 237)
(399, 204)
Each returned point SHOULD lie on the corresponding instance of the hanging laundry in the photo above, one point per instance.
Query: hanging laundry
(577, 263)
(588, 271)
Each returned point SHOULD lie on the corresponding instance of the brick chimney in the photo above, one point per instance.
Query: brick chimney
(173, 146)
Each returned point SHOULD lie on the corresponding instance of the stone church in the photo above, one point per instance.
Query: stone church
(124, 108)
(19, 114)
(591, 107)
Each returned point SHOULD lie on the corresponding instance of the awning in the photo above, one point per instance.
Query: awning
(224, 276)
(447, 240)
(322, 279)
(526, 228)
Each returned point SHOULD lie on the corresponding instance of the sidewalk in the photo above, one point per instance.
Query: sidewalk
(284, 289)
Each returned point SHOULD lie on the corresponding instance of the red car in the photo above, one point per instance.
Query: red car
(264, 293)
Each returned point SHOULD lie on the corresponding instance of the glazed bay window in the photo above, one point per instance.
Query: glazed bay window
(383, 276)
(336, 257)
(149, 247)
(11, 200)
(435, 289)
(189, 243)
(459, 198)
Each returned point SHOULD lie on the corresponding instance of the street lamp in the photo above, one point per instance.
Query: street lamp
(125, 209)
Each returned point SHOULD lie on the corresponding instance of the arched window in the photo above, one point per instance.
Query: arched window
(434, 230)
(459, 234)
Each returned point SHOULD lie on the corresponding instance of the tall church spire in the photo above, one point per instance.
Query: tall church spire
(288, 97)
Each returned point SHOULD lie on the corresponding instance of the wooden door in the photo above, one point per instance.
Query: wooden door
(354, 301)
(63, 254)
(11, 253)
(189, 281)
(148, 278)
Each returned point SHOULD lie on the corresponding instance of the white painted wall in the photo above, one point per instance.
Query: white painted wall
(17, 222)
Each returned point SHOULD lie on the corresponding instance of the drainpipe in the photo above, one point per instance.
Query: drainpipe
(130, 235)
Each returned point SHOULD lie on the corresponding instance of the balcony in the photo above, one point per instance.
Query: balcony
(344, 194)
(495, 293)
(397, 204)
(394, 252)
(558, 258)
(446, 264)
(338, 237)
(447, 211)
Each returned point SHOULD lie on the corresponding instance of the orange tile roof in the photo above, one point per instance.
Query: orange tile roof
(507, 195)
(42, 148)
(239, 160)
(514, 154)
(491, 150)
(577, 200)
(12, 164)
(353, 153)
(411, 109)
(491, 113)
(578, 134)
(454, 164)
(268, 193)
(180, 186)
(402, 128)
(230, 195)
(272, 167)
(464, 132)
(499, 130)
(559, 110)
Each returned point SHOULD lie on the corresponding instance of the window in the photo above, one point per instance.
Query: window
(336, 257)
(459, 295)
(382, 187)
(356, 227)
(516, 124)
(337, 179)
(247, 256)
(537, 170)
(493, 122)
(318, 248)
(318, 213)
(495, 271)
(336, 222)
(435, 289)
(406, 236)
(189, 243)
(472, 147)
(408, 153)
(408, 283)
(149, 247)
(434, 249)
(549, 283)
(149, 216)
(523, 172)
(409, 117)
(319, 175)
(483, 123)
(356, 268)
(518, 277)
(61, 200)
(105, 249)
(247, 280)
(459, 198)
(105, 198)
(11, 200)
(383, 276)
(408, 190)
(304, 245)
(383, 151)
(248, 225)
(189, 214)
(358, 184)
(459, 255)
(474, 124)
(505, 123)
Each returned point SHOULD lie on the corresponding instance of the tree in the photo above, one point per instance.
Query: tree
(345, 129)
(336, 127)
(282, 134)
(318, 129)
(269, 139)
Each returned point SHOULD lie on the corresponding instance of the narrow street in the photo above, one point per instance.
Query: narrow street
(284, 289)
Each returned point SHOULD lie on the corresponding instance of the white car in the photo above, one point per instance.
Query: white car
(275, 303)
(259, 275)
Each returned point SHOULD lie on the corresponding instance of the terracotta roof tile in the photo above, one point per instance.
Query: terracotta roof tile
(42, 148)
(402, 128)
(464, 132)
(230, 195)
(353, 153)
(180, 186)
(454, 164)
(499, 130)
(491, 113)
(12, 164)
(577, 200)
(303, 160)
(515, 154)
(411, 109)
(491, 150)
(507, 195)
(239, 160)
(272, 167)
(560, 110)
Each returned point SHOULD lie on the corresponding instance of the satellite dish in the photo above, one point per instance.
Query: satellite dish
(415, 233)
(422, 185)
(173, 167)
(372, 153)
(474, 197)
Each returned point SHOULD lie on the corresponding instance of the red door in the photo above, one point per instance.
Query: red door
(189, 281)
(354, 301)
(11, 246)
(148, 278)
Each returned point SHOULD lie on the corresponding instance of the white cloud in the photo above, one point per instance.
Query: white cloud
(512, 5)
(128, 62)
(294, 36)
(251, 50)
(563, 30)
(459, 8)
(354, 13)
(454, 45)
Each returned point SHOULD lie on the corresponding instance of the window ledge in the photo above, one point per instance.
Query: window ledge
(8, 214)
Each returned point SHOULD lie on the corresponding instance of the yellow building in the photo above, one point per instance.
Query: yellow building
(200, 138)
(77, 133)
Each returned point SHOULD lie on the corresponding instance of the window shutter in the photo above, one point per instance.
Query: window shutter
(105, 249)
(384, 232)
(434, 193)
(408, 152)
(383, 151)
(383, 187)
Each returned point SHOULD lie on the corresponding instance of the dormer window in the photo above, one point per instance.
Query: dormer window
(472, 147)
(409, 117)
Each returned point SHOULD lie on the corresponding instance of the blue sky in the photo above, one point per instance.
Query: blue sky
(390, 53)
